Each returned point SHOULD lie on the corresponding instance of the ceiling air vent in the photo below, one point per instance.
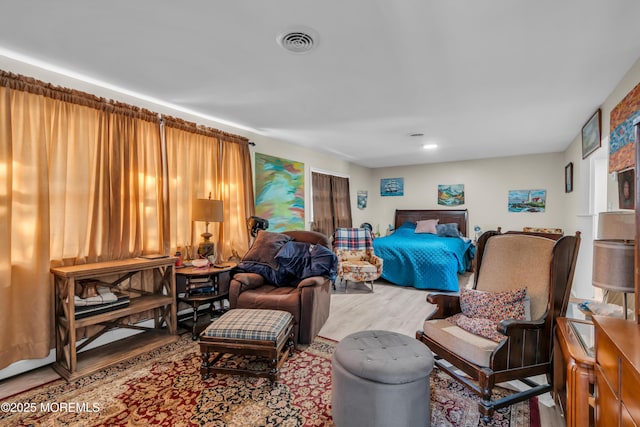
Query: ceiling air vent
(298, 40)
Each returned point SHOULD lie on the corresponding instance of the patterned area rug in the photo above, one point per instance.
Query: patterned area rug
(164, 388)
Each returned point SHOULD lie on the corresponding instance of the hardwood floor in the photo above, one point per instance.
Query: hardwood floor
(403, 310)
(389, 307)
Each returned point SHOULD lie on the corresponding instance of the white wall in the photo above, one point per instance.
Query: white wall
(486, 185)
(590, 180)
(317, 160)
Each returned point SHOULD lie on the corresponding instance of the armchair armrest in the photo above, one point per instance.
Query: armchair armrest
(448, 305)
(524, 346)
(241, 282)
(312, 281)
(511, 327)
(249, 280)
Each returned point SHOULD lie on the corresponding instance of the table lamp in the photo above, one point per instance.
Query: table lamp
(613, 253)
(207, 210)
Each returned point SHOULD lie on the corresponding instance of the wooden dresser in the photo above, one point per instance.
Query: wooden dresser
(617, 343)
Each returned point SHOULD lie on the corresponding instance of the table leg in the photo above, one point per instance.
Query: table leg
(194, 335)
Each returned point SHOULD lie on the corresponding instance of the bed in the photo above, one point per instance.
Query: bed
(425, 261)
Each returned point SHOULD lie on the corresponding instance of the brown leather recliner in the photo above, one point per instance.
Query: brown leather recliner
(308, 302)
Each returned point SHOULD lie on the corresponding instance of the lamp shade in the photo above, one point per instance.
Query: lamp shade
(618, 225)
(207, 210)
(613, 265)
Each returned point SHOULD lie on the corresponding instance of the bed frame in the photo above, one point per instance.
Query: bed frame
(445, 216)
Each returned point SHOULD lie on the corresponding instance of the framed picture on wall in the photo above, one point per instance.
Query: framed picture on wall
(626, 189)
(591, 140)
(568, 178)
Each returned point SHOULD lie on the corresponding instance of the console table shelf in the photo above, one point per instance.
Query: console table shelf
(127, 276)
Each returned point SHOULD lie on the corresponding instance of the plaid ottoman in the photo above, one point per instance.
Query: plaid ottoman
(250, 332)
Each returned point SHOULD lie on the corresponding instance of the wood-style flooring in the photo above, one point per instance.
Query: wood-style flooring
(389, 307)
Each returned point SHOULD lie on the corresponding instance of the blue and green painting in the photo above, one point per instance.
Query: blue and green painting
(451, 195)
(527, 200)
(280, 192)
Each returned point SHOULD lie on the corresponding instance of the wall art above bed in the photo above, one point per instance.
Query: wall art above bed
(451, 195)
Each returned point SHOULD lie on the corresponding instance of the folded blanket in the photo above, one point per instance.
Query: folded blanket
(104, 296)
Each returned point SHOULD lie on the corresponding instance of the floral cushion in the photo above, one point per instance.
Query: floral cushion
(482, 311)
(495, 306)
(483, 327)
(358, 266)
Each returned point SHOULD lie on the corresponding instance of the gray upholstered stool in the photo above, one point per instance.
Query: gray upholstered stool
(381, 379)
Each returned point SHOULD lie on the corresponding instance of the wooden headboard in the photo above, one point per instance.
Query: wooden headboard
(445, 216)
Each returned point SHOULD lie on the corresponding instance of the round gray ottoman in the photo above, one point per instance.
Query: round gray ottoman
(381, 379)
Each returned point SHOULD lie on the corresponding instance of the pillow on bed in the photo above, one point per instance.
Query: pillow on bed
(448, 230)
(427, 226)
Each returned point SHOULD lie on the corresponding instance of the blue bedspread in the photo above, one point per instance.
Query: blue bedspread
(424, 261)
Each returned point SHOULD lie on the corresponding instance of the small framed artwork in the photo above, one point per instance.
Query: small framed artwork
(451, 195)
(626, 189)
(527, 200)
(568, 178)
(591, 140)
(392, 187)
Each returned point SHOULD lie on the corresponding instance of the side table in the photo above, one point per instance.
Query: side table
(215, 292)
(574, 377)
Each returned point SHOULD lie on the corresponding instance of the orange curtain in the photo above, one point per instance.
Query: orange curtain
(193, 157)
(236, 182)
(83, 184)
(200, 161)
(84, 179)
(25, 292)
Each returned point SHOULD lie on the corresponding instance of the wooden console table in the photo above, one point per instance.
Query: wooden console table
(70, 362)
(574, 377)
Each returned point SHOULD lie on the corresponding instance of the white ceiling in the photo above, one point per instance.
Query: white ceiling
(481, 78)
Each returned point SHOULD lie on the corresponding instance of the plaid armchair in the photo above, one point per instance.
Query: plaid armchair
(356, 260)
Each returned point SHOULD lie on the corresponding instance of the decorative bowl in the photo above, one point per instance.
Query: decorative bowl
(200, 263)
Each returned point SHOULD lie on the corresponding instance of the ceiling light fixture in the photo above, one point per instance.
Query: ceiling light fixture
(430, 146)
(298, 40)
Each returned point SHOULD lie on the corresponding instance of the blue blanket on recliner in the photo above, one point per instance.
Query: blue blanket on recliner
(296, 261)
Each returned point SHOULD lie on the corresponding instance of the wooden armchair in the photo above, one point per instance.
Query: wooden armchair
(506, 263)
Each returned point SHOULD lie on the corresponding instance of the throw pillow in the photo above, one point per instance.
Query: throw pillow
(496, 306)
(483, 327)
(448, 230)
(265, 248)
(427, 226)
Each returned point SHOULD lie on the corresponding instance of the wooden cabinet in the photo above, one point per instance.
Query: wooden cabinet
(574, 370)
(617, 372)
(151, 286)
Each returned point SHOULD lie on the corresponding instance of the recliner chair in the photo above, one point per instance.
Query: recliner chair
(308, 301)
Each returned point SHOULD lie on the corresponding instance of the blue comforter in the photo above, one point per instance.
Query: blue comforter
(424, 261)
